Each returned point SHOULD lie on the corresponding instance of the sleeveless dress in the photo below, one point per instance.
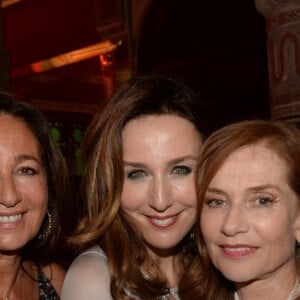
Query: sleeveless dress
(47, 290)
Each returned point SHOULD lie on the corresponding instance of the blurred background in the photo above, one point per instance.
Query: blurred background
(67, 57)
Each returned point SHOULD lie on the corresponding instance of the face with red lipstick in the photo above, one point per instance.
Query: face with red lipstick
(23, 184)
(159, 154)
(250, 219)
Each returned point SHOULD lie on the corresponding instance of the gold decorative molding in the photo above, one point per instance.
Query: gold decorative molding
(283, 45)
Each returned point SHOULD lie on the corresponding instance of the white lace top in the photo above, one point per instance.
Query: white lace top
(88, 279)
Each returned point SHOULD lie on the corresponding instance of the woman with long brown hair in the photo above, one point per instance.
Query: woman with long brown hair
(139, 194)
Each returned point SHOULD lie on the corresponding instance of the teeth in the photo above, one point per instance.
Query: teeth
(163, 221)
(238, 249)
(10, 219)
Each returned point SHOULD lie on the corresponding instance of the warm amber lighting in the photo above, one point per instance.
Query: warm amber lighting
(98, 49)
(73, 56)
(6, 3)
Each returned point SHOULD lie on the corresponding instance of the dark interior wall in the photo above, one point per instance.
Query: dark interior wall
(217, 47)
(35, 30)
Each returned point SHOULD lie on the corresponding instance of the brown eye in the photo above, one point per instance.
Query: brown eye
(27, 171)
(215, 203)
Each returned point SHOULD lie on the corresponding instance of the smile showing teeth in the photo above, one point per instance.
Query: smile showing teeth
(242, 249)
(163, 222)
(10, 219)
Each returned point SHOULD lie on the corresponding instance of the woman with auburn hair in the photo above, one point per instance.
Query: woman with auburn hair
(249, 219)
(139, 195)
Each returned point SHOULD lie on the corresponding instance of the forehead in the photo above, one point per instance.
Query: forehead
(160, 133)
(256, 164)
(173, 124)
(15, 133)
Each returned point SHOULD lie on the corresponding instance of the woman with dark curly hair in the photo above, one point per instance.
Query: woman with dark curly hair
(33, 183)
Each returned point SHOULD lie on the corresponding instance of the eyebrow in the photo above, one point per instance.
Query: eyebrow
(171, 162)
(215, 190)
(258, 188)
(263, 187)
(24, 157)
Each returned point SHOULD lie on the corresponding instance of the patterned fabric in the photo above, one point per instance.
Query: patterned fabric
(47, 291)
(173, 294)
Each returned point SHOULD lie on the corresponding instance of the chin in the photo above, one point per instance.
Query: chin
(236, 276)
(162, 246)
(11, 248)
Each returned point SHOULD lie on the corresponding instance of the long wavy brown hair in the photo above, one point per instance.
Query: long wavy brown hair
(103, 222)
(281, 138)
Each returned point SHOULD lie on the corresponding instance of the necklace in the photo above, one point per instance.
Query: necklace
(295, 292)
(292, 296)
(173, 292)
(18, 276)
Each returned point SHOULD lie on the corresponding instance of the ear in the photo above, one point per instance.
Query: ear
(297, 227)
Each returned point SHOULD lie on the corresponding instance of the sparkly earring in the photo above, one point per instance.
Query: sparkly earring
(47, 232)
(192, 235)
(190, 245)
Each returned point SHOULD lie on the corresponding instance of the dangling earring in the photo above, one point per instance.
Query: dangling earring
(192, 242)
(47, 232)
(190, 245)
(192, 235)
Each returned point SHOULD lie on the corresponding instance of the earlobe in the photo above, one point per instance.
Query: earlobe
(297, 230)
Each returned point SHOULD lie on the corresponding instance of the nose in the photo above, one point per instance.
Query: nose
(9, 195)
(160, 195)
(235, 221)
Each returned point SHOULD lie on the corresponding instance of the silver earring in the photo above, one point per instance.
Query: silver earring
(47, 232)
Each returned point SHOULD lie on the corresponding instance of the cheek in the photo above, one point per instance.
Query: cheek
(211, 224)
(205, 226)
(185, 193)
(36, 192)
(276, 230)
(131, 198)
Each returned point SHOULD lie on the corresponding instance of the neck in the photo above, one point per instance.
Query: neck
(10, 274)
(275, 287)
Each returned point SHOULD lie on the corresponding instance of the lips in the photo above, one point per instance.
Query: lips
(238, 251)
(163, 221)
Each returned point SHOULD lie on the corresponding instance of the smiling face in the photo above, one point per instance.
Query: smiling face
(159, 154)
(250, 219)
(23, 184)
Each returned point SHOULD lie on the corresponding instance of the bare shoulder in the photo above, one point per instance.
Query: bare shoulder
(56, 275)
